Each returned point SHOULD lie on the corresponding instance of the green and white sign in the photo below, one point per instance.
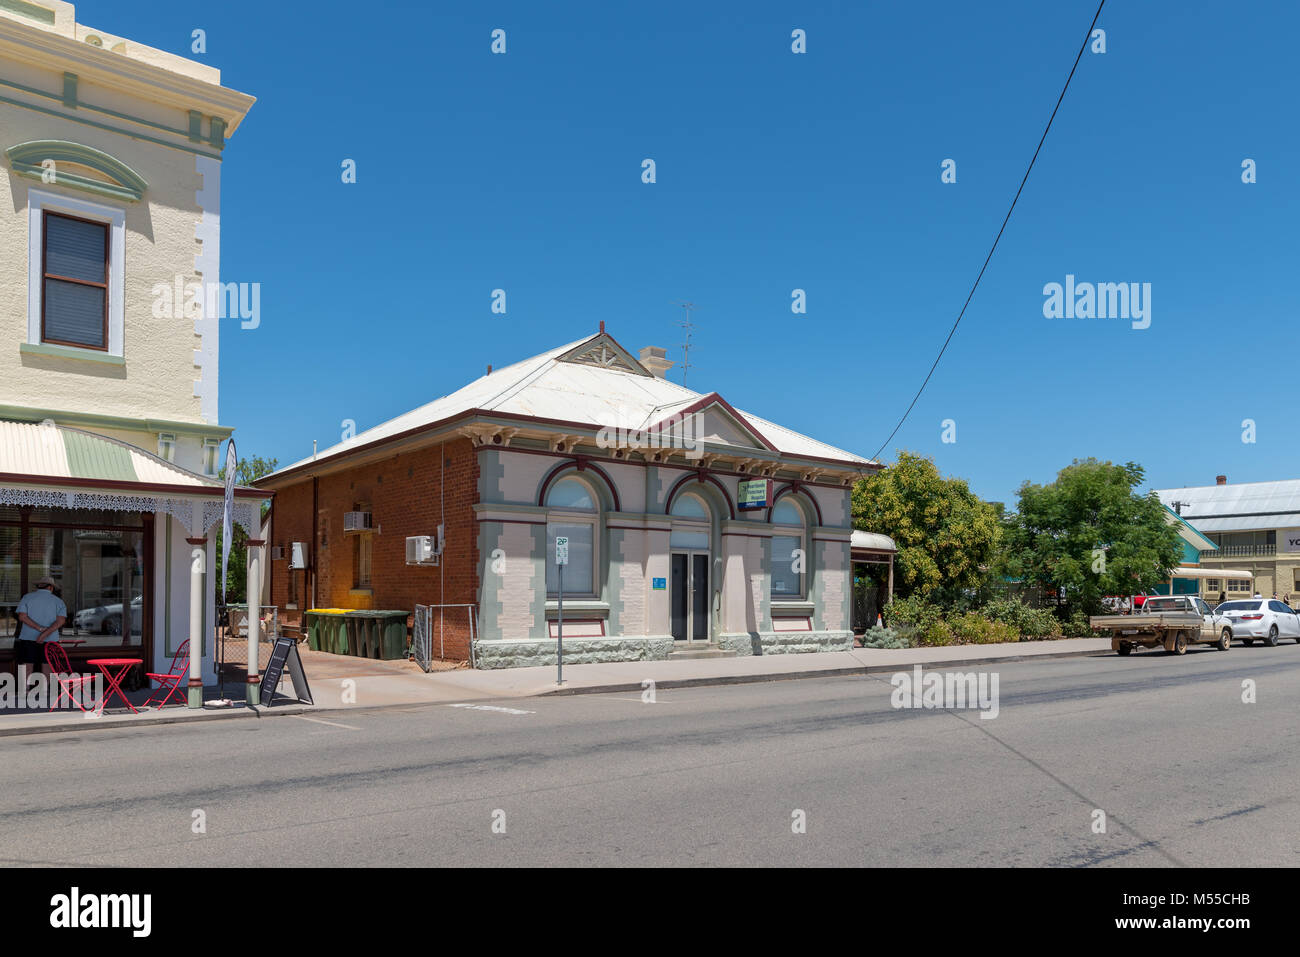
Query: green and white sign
(755, 494)
(561, 550)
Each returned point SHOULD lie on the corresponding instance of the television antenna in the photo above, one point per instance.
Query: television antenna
(686, 346)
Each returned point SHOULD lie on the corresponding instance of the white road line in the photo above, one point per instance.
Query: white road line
(490, 707)
(332, 724)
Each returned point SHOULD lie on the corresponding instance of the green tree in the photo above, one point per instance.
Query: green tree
(947, 537)
(247, 471)
(1093, 534)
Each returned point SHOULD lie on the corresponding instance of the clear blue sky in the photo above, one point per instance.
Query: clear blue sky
(775, 171)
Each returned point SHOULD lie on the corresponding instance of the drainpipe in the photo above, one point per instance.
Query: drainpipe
(315, 537)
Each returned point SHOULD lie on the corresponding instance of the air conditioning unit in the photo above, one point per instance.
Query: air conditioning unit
(358, 522)
(298, 554)
(277, 553)
(424, 549)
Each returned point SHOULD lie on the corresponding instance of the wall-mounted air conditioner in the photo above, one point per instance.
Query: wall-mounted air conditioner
(424, 549)
(358, 522)
(298, 555)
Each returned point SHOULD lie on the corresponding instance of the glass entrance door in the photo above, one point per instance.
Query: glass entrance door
(690, 596)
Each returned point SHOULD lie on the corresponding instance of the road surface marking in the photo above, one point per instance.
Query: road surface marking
(332, 724)
(490, 707)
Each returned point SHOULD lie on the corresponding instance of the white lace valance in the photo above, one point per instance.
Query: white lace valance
(184, 510)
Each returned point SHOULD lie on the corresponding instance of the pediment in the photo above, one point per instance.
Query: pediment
(62, 163)
(604, 353)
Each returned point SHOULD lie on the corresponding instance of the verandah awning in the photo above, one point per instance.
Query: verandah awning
(53, 466)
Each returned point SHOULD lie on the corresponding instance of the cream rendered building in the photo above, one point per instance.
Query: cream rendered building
(110, 187)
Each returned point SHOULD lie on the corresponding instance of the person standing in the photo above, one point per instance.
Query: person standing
(1222, 597)
(41, 613)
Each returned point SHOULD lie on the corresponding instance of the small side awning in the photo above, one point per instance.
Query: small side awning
(1188, 571)
(871, 547)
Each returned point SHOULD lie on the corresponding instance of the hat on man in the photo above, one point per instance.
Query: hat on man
(47, 580)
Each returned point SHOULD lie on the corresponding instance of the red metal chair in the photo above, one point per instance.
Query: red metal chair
(61, 670)
(171, 681)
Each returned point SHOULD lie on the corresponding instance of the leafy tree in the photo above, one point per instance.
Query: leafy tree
(946, 536)
(247, 471)
(1092, 533)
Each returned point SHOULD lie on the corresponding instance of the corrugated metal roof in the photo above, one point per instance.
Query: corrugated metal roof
(46, 450)
(548, 387)
(1240, 507)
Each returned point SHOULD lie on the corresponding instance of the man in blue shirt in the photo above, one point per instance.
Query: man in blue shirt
(41, 614)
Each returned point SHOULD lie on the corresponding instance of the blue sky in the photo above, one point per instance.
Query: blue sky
(775, 171)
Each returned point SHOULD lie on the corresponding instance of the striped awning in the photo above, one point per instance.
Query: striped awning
(54, 466)
(46, 450)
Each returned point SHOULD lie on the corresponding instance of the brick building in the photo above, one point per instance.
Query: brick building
(693, 527)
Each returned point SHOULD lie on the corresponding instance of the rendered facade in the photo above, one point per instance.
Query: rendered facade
(110, 188)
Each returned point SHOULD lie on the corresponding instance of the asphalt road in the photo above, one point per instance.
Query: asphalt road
(1186, 773)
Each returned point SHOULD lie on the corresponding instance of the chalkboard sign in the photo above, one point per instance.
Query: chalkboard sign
(284, 653)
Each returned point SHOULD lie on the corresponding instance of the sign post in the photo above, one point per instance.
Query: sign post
(227, 531)
(561, 559)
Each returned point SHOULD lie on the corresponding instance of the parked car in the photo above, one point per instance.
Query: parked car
(107, 619)
(1261, 618)
(1171, 622)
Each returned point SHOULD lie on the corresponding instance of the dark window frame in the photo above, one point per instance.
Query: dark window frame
(47, 275)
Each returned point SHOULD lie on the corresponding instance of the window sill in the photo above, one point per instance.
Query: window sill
(48, 351)
(791, 606)
(361, 592)
(577, 608)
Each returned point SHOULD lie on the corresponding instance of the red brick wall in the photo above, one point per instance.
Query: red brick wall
(405, 496)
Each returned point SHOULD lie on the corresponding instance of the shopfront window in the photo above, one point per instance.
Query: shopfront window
(98, 563)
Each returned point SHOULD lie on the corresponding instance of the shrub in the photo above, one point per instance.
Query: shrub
(974, 628)
(1077, 626)
(1030, 623)
(886, 638)
(918, 619)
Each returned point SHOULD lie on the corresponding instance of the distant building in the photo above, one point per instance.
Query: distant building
(1255, 527)
(693, 527)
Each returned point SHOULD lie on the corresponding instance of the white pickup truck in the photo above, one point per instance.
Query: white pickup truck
(1171, 622)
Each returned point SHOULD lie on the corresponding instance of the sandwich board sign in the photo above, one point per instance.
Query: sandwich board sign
(284, 653)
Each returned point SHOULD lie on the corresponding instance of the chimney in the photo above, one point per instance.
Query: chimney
(489, 372)
(1220, 480)
(654, 359)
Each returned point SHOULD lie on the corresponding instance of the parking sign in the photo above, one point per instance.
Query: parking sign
(561, 550)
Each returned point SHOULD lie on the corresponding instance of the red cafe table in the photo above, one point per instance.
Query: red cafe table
(115, 669)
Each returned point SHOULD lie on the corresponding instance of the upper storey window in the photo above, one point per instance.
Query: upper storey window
(75, 264)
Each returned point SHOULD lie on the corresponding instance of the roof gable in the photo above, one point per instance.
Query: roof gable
(604, 353)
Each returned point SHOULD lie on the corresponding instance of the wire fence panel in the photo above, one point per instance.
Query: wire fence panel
(422, 637)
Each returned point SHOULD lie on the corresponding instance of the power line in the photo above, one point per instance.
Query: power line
(997, 239)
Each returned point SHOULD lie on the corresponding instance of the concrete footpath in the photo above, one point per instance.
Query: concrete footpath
(393, 684)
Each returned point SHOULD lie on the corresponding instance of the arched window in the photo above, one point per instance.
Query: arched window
(572, 511)
(789, 550)
(690, 523)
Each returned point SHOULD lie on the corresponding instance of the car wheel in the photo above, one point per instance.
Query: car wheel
(1180, 643)
(1124, 649)
(112, 626)
(1225, 639)
(1272, 637)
